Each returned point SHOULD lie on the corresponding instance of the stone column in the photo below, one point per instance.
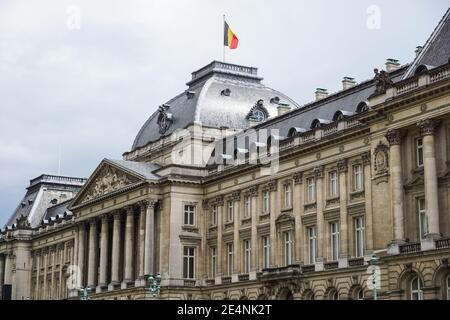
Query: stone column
(427, 129)
(129, 245)
(254, 233)
(343, 216)
(81, 254)
(8, 268)
(104, 253)
(149, 252)
(2, 272)
(92, 262)
(37, 256)
(394, 138)
(298, 209)
(237, 245)
(53, 253)
(220, 251)
(44, 293)
(366, 157)
(115, 261)
(273, 205)
(140, 281)
(318, 172)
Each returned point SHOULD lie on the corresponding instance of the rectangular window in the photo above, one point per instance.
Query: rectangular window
(288, 250)
(334, 233)
(419, 152)
(359, 236)
(287, 196)
(423, 219)
(213, 261)
(214, 215)
(230, 258)
(358, 178)
(247, 255)
(333, 189)
(266, 251)
(311, 189)
(247, 207)
(312, 238)
(266, 199)
(189, 215)
(230, 211)
(189, 263)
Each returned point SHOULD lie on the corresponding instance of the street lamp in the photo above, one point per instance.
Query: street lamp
(84, 293)
(373, 263)
(154, 284)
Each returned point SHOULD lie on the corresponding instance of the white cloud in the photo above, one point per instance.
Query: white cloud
(91, 89)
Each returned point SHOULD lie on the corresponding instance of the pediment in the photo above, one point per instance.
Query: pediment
(106, 179)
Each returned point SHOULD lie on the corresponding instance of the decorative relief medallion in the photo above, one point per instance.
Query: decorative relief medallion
(165, 119)
(108, 180)
(318, 155)
(390, 118)
(381, 159)
(423, 107)
(341, 149)
(366, 140)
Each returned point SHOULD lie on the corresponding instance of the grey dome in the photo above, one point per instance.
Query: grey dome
(208, 102)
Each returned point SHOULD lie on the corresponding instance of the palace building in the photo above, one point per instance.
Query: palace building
(232, 190)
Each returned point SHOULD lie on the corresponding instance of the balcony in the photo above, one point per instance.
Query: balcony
(189, 283)
(226, 280)
(443, 243)
(410, 247)
(243, 277)
(331, 265)
(308, 268)
(210, 282)
(356, 262)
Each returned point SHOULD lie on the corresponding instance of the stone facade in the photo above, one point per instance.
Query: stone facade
(374, 182)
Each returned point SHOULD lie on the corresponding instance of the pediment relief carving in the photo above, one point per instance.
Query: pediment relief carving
(107, 180)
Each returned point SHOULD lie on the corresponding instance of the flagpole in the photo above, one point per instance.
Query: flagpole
(223, 28)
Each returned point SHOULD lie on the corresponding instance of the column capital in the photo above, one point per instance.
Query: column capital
(366, 158)
(342, 165)
(128, 208)
(427, 126)
(93, 222)
(298, 178)
(105, 218)
(318, 171)
(148, 203)
(393, 136)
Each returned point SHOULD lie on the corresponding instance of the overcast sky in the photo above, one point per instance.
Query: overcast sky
(89, 84)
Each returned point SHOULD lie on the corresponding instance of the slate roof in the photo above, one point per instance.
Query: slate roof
(211, 108)
(57, 210)
(436, 50)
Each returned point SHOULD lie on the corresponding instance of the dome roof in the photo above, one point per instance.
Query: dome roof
(219, 95)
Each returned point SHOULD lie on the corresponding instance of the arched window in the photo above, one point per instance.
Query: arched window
(416, 288)
(334, 295)
(295, 131)
(362, 106)
(360, 294)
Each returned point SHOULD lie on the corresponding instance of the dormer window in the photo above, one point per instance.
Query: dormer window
(225, 92)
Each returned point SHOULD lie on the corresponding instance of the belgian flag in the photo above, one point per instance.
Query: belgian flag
(229, 38)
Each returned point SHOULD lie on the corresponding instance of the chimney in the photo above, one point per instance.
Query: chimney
(418, 50)
(348, 82)
(283, 108)
(392, 64)
(321, 93)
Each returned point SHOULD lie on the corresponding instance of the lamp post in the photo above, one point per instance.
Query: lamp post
(154, 284)
(373, 263)
(84, 293)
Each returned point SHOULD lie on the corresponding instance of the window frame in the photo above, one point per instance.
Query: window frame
(230, 258)
(288, 247)
(247, 244)
(213, 253)
(448, 286)
(230, 211)
(334, 240)
(419, 290)
(287, 195)
(333, 184)
(214, 215)
(423, 218)
(312, 244)
(187, 257)
(418, 148)
(187, 215)
(310, 189)
(360, 233)
(247, 206)
(266, 251)
(358, 183)
(266, 201)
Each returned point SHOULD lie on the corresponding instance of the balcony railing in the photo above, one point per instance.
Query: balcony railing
(189, 283)
(410, 247)
(308, 268)
(443, 243)
(226, 280)
(331, 265)
(356, 262)
(243, 277)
